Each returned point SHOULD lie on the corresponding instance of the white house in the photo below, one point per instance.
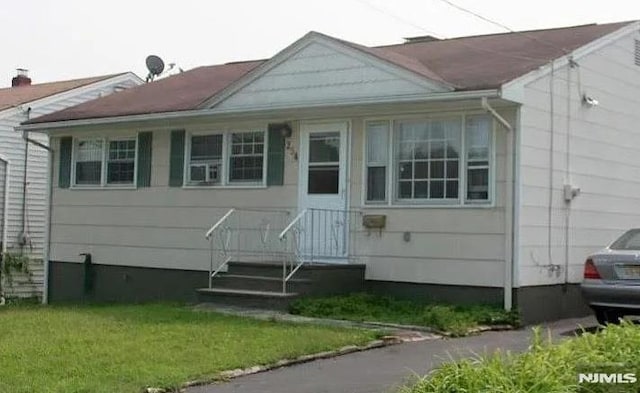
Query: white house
(473, 169)
(23, 164)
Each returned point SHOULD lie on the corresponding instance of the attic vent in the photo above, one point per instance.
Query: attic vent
(637, 52)
(423, 38)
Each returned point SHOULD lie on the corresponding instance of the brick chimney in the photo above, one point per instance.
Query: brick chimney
(22, 79)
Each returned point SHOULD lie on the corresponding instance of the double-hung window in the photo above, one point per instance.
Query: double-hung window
(100, 162)
(377, 158)
(88, 164)
(432, 160)
(226, 158)
(478, 141)
(121, 161)
(205, 166)
(247, 157)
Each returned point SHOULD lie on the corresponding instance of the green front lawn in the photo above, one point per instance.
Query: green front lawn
(364, 307)
(120, 349)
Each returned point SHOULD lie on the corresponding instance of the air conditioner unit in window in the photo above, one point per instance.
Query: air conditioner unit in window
(204, 172)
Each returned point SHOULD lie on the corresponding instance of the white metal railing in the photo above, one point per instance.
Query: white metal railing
(248, 235)
(319, 235)
(255, 235)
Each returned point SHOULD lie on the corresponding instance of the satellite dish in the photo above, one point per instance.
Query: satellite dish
(155, 65)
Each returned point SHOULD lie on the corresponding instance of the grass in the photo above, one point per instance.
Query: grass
(120, 349)
(367, 307)
(546, 368)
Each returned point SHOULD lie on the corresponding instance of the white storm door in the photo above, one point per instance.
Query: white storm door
(323, 191)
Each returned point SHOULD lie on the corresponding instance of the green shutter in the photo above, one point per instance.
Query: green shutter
(275, 156)
(176, 163)
(144, 159)
(64, 170)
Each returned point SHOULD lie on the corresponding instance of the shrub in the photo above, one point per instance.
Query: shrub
(368, 307)
(545, 368)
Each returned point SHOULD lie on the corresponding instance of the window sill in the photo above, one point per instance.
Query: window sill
(106, 187)
(429, 206)
(225, 187)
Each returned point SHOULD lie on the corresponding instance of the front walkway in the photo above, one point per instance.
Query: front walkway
(380, 370)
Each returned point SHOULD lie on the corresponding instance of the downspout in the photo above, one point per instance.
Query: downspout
(509, 221)
(47, 238)
(5, 222)
(25, 237)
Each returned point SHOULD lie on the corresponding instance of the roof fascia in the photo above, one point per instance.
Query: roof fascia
(447, 96)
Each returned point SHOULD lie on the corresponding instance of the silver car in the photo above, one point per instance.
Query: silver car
(611, 284)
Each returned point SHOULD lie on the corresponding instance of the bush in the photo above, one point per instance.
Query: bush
(545, 368)
(368, 307)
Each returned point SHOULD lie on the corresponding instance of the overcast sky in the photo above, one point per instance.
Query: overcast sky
(66, 39)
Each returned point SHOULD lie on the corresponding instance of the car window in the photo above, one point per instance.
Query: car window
(629, 241)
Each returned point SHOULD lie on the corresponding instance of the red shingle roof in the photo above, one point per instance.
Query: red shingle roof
(14, 96)
(466, 63)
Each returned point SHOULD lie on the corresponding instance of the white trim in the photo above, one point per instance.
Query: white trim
(267, 112)
(225, 182)
(513, 89)
(334, 44)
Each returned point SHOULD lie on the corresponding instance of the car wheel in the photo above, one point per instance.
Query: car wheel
(607, 316)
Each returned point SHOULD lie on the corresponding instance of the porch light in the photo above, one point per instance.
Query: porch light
(286, 130)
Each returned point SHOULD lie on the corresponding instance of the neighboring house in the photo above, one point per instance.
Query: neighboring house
(462, 158)
(23, 193)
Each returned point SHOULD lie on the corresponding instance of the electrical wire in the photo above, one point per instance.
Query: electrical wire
(443, 37)
(501, 25)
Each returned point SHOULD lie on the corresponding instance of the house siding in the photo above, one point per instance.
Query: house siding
(449, 245)
(603, 163)
(13, 147)
(322, 73)
(163, 227)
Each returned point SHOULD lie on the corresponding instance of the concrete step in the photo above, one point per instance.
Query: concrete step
(246, 298)
(307, 271)
(259, 283)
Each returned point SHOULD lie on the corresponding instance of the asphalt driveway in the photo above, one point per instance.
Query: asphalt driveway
(381, 370)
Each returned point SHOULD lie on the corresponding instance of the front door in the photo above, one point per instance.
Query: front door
(323, 191)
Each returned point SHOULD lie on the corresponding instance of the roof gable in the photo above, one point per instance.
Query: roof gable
(318, 69)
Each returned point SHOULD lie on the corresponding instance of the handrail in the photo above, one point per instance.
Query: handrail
(291, 224)
(217, 224)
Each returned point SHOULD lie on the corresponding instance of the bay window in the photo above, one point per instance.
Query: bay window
(433, 160)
